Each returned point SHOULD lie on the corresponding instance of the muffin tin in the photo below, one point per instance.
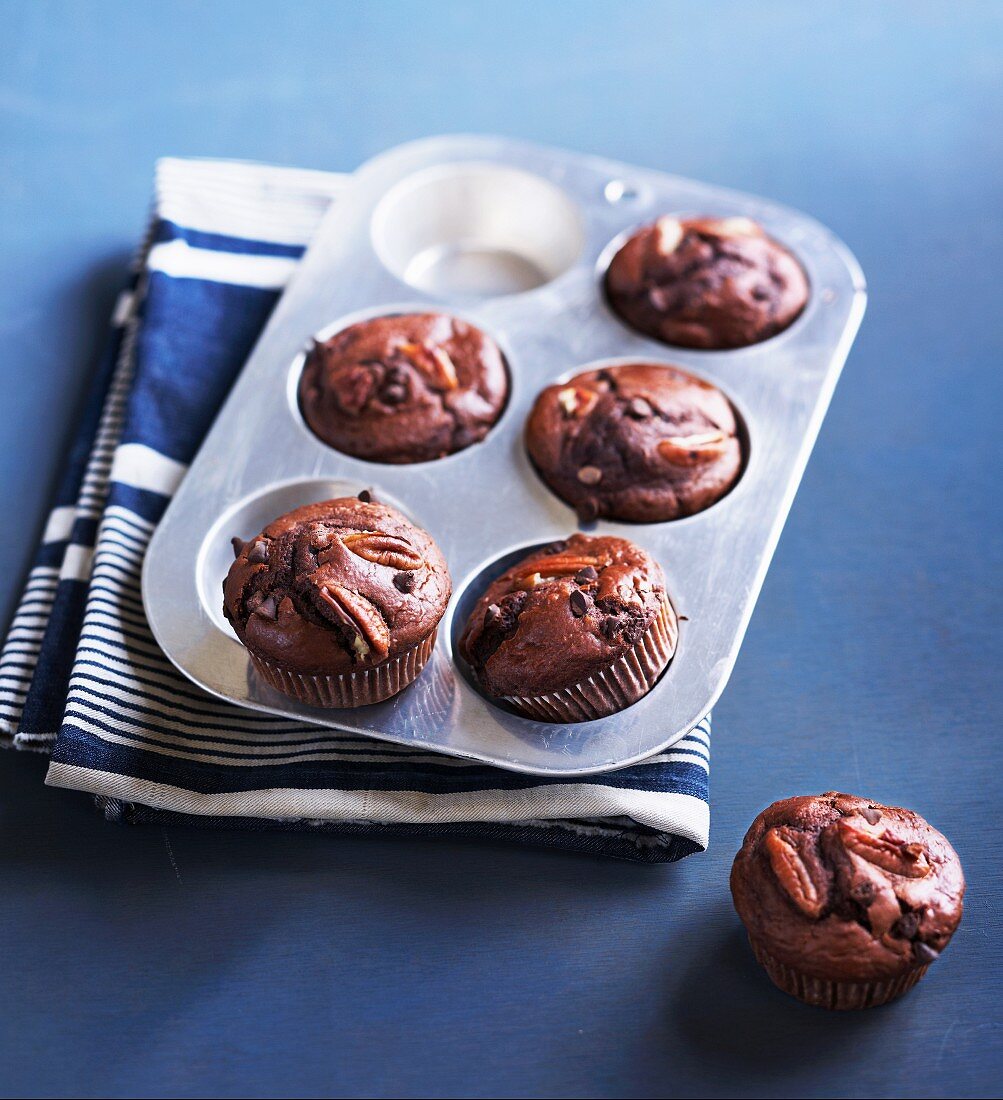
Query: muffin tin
(514, 238)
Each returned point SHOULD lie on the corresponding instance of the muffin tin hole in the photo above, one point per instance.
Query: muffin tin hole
(476, 231)
(460, 387)
(614, 247)
(251, 515)
(465, 599)
(562, 486)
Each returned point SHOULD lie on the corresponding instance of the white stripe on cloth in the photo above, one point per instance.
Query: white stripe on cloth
(124, 306)
(60, 524)
(77, 563)
(253, 201)
(681, 814)
(181, 260)
(141, 467)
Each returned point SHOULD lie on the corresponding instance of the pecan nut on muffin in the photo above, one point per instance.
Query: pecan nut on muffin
(640, 442)
(338, 603)
(846, 902)
(578, 629)
(404, 388)
(706, 283)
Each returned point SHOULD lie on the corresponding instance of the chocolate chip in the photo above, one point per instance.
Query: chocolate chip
(586, 575)
(924, 952)
(588, 510)
(639, 409)
(404, 581)
(258, 554)
(633, 628)
(590, 475)
(238, 545)
(871, 815)
(268, 608)
(610, 627)
(579, 603)
(394, 394)
(366, 496)
(906, 926)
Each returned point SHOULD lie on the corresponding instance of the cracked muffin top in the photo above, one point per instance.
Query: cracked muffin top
(562, 614)
(336, 586)
(706, 283)
(404, 388)
(640, 441)
(845, 889)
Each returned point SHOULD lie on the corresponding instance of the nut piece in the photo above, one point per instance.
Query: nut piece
(434, 363)
(693, 450)
(363, 624)
(590, 475)
(576, 401)
(389, 550)
(551, 566)
(668, 234)
(733, 227)
(792, 872)
(891, 855)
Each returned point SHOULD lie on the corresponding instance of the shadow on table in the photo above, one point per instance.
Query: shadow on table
(727, 1007)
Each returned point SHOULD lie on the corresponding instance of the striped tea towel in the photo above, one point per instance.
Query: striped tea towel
(81, 676)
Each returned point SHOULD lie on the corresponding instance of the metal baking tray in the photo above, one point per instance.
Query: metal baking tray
(470, 226)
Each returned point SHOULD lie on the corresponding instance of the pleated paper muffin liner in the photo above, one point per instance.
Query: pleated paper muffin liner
(616, 687)
(841, 996)
(350, 689)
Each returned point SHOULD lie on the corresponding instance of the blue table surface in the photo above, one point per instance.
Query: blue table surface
(179, 962)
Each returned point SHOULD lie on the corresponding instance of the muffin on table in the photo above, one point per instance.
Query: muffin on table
(338, 603)
(846, 902)
(706, 283)
(641, 442)
(579, 629)
(410, 387)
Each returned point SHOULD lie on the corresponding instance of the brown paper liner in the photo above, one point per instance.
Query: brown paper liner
(350, 689)
(835, 995)
(616, 687)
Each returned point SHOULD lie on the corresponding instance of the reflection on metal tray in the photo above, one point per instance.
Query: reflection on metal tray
(514, 238)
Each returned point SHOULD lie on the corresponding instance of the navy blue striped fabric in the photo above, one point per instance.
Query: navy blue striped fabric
(34, 675)
(81, 675)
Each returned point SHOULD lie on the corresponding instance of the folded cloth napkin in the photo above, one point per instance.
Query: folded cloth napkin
(80, 674)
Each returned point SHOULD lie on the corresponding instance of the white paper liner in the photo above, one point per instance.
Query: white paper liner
(350, 689)
(616, 687)
(841, 996)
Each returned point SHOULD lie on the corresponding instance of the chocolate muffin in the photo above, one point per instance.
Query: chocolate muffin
(405, 388)
(706, 283)
(576, 630)
(640, 442)
(338, 603)
(846, 902)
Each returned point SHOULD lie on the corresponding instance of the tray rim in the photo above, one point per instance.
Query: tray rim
(340, 719)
